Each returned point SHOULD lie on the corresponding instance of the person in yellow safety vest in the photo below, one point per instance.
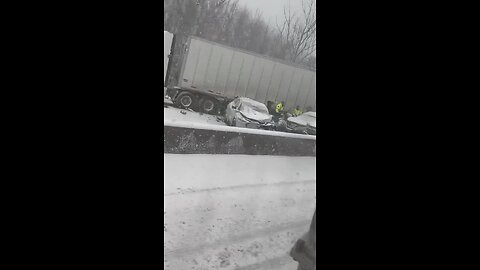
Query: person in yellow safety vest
(297, 112)
(279, 107)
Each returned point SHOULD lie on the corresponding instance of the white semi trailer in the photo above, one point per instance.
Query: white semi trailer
(167, 45)
(205, 76)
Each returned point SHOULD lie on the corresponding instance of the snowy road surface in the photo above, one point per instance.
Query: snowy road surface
(175, 114)
(235, 211)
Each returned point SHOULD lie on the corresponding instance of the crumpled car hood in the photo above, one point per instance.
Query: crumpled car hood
(303, 121)
(249, 113)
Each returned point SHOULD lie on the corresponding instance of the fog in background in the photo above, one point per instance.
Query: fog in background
(259, 26)
(271, 9)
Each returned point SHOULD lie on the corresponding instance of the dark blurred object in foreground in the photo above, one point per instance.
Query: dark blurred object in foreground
(304, 251)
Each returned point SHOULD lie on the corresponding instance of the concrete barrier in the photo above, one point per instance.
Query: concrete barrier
(186, 140)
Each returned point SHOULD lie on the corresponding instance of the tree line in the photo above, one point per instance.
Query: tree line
(227, 22)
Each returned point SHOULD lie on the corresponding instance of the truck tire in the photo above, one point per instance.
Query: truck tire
(208, 105)
(186, 100)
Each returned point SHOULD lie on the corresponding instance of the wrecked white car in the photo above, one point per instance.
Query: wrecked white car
(248, 113)
(304, 124)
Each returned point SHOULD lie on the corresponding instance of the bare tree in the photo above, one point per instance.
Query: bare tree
(297, 35)
(227, 22)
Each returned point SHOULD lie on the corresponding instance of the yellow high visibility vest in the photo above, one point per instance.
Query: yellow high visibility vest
(279, 107)
(297, 112)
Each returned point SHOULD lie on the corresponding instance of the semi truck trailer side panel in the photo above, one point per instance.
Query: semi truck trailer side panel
(311, 97)
(306, 83)
(231, 72)
(167, 45)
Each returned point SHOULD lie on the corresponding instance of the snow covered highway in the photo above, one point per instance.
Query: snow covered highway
(235, 211)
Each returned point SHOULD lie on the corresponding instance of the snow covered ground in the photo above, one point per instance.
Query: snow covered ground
(167, 101)
(235, 211)
(175, 115)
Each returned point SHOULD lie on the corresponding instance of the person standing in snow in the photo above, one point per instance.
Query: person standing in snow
(278, 111)
(279, 107)
(297, 112)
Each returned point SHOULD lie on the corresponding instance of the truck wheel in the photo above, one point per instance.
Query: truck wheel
(186, 100)
(207, 105)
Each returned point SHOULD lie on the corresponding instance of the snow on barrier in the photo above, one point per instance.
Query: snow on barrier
(235, 211)
(235, 198)
(193, 138)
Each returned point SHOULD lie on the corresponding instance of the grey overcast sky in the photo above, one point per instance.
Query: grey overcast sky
(271, 8)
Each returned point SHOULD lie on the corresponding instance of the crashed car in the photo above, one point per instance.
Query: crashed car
(304, 124)
(248, 113)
